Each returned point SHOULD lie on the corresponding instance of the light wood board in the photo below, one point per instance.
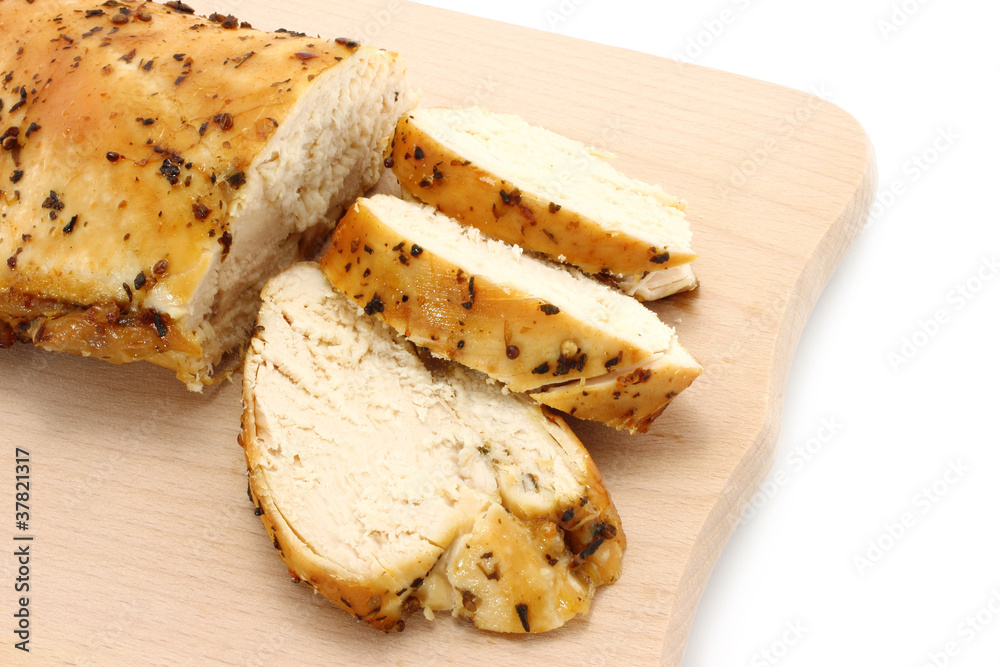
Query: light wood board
(146, 548)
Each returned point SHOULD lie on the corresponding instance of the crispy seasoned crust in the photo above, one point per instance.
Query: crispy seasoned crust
(509, 334)
(500, 326)
(142, 166)
(486, 505)
(628, 399)
(513, 210)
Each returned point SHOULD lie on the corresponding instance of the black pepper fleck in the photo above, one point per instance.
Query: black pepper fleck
(567, 364)
(52, 202)
(375, 305)
(237, 180)
(591, 548)
(225, 121)
(161, 328)
(171, 171)
(522, 613)
(226, 241)
(607, 530)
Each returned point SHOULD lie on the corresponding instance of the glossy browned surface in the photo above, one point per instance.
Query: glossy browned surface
(130, 128)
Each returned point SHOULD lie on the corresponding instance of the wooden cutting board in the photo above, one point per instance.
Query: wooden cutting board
(146, 549)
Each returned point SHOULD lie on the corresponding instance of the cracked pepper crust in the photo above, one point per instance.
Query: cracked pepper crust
(437, 174)
(586, 368)
(129, 130)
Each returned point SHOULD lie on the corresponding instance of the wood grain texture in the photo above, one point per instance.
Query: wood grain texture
(146, 548)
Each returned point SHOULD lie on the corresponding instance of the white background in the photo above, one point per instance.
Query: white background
(878, 539)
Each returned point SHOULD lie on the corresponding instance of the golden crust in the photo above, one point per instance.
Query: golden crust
(130, 129)
(511, 336)
(502, 210)
(629, 399)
